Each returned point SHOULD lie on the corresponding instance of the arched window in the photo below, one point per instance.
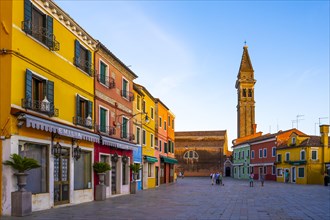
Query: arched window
(191, 155)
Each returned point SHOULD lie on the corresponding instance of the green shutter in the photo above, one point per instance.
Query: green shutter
(89, 109)
(89, 60)
(28, 88)
(49, 29)
(103, 120)
(77, 53)
(77, 108)
(102, 73)
(27, 16)
(50, 95)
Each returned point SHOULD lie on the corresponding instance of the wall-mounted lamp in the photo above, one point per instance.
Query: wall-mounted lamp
(144, 118)
(57, 148)
(76, 151)
(114, 157)
(124, 159)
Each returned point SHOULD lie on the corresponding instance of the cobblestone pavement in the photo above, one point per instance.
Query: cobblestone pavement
(195, 198)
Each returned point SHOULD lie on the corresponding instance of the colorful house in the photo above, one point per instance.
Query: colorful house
(165, 140)
(304, 157)
(114, 119)
(241, 161)
(150, 166)
(47, 102)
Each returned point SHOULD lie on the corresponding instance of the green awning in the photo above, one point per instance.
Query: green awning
(297, 162)
(169, 160)
(150, 159)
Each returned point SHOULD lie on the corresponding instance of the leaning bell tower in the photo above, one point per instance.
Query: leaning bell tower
(245, 97)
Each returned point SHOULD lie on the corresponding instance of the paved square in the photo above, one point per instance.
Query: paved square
(196, 198)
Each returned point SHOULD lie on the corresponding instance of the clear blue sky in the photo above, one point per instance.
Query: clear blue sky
(187, 53)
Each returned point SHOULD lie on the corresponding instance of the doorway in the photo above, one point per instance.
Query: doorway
(113, 177)
(62, 179)
(293, 174)
(157, 169)
(227, 171)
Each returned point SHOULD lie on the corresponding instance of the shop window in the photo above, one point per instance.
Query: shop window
(106, 159)
(37, 180)
(83, 171)
(150, 170)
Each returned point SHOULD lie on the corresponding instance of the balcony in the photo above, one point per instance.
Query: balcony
(127, 136)
(41, 34)
(85, 122)
(127, 95)
(106, 80)
(84, 65)
(44, 107)
(106, 129)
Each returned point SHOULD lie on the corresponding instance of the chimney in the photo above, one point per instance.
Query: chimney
(324, 130)
(254, 126)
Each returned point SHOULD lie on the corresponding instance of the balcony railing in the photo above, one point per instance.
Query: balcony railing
(127, 95)
(106, 129)
(127, 136)
(85, 122)
(84, 65)
(47, 108)
(41, 34)
(107, 81)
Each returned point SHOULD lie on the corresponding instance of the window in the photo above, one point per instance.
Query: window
(125, 173)
(252, 154)
(160, 145)
(248, 154)
(279, 157)
(106, 159)
(273, 151)
(84, 110)
(37, 180)
(301, 172)
(165, 148)
(152, 112)
(103, 120)
(235, 170)
(244, 92)
(165, 127)
(124, 128)
(138, 134)
(138, 102)
(265, 152)
(150, 169)
(314, 154)
(243, 170)
(235, 156)
(173, 123)
(151, 140)
(191, 155)
(160, 122)
(243, 154)
(104, 74)
(287, 156)
(143, 137)
(239, 155)
(302, 155)
(169, 121)
(39, 26)
(125, 89)
(250, 92)
(83, 171)
(279, 172)
(293, 140)
(260, 153)
(273, 170)
(265, 170)
(143, 106)
(39, 94)
(83, 58)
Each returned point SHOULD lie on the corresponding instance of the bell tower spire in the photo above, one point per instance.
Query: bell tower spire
(245, 96)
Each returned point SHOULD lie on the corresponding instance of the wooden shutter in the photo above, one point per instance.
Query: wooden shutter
(77, 53)
(77, 108)
(50, 95)
(27, 16)
(89, 109)
(28, 88)
(49, 29)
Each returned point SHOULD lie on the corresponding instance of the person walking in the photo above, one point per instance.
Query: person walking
(217, 181)
(212, 178)
(220, 179)
(251, 176)
(262, 179)
(326, 178)
(286, 176)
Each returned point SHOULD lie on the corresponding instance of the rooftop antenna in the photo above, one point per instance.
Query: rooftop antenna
(299, 116)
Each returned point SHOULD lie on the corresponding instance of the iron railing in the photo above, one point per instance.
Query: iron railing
(106, 129)
(126, 136)
(82, 121)
(127, 95)
(84, 65)
(107, 81)
(41, 34)
(40, 106)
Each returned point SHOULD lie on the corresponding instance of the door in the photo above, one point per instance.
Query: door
(157, 169)
(114, 177)
(293, 174)
(61, 179)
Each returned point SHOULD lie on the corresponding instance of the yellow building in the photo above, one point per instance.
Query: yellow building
(47, 96)
(304, 159)
(150, 167)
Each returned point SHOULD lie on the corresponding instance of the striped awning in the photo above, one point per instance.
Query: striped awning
(50, 126)
(119, 144)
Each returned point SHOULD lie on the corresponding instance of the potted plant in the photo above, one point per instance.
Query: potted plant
(135, 167)
(21, 165)
(101, 168)
(21, 200)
